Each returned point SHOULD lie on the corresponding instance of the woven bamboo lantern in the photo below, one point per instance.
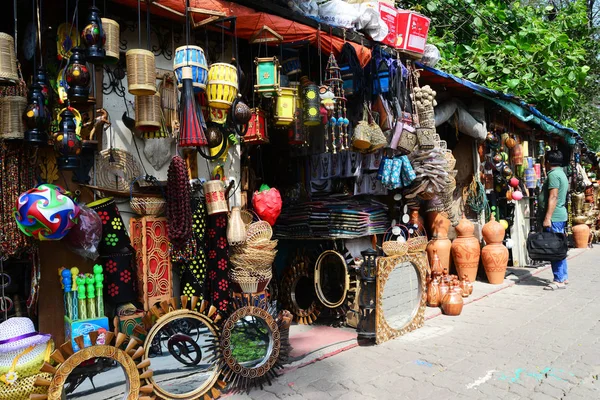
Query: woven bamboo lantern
(111, 30)
(285, 110)
(147, 113)
(141, 72)
(11, 121)
(236, 229)
(8, 60)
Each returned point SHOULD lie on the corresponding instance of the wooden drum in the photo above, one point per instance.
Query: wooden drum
(193, 57)
(222, 85)
(214, 192)
(141, 72)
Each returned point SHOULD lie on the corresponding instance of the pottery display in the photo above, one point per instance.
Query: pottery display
(444, 288)
(581, 236)
(452, 303)
(439, 225)
(433, 293)
(494, 254)
(436, 267)
(466, 250)
(466, 286)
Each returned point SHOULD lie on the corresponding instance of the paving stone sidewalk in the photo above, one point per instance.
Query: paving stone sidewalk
(520, 343)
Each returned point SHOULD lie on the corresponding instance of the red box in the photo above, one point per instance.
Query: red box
(389, 15)
(412, 30)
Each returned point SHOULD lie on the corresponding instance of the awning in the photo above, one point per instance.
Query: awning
(249, 22)
(513, 104)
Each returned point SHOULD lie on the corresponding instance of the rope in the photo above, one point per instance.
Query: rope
(477, 200)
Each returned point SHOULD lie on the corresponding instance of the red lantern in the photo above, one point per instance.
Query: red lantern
(267, 204)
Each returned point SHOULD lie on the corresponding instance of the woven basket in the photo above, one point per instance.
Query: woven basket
(11, 121)
(111, 30)
(247, 217)
(394, 248)
(264, 244)
(119, 174)
(417, 244)
(259, 230)
(141, 72)
(8, 60)
(24, 387)
(148, 113)
(153, 206)
(427, 119)
(250, 281)
(252, 261)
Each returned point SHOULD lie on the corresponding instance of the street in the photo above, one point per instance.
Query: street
(519, 343)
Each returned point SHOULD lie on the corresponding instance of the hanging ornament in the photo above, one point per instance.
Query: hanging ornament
(285, 110)
(311, 103)
(36, 117)
(112, 42)
(191, 56)
(66, 141)
(335, 103)
(222, 88)
(78, 76)
(191, 133)
(267, 76)
(93, 37)
(42, 79)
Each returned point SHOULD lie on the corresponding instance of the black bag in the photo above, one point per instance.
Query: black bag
(547, 246)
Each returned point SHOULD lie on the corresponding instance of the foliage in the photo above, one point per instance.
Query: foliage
(249, 342)
(530, 49)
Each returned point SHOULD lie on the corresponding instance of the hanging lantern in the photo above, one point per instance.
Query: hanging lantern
(291, 66)
(78, 76)
(93, 37)
(267, 76)
(11, 117)
(191, 56)
(286, 106)
(297, 134)
(311, 104)
(8, 60)
(66, 141)
(381, 84)
(257, 128)
(222, 86)
(141, 72)
(148, 114)
(191, 133)
(517, 154)
(111, 44)
(36, 117)
(42, 79)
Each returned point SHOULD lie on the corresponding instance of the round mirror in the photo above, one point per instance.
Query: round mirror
(331, 279)
(102, 378)
(250, 342)
(183, 359)
(401, 297)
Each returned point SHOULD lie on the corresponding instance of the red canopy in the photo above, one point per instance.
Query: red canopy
(250, 21)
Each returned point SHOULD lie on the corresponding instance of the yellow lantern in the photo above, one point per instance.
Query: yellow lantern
(286, 106)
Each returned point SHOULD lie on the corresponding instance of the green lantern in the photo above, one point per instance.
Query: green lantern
(267, 76)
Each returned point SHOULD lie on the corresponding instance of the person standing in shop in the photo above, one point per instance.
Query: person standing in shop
(553, 205)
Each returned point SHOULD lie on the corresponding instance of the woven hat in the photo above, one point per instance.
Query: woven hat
(18, 333)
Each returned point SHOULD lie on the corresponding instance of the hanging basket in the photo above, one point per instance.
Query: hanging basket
(11, 121)
(148, 114)
(118, 173)
(111, 45)
(141, 72)
(8, 60)
(392, 246)
(146, 205)
(222, 86)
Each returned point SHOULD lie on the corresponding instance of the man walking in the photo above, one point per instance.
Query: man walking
(552, 201)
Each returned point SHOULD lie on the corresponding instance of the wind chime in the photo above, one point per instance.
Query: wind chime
(334, 101)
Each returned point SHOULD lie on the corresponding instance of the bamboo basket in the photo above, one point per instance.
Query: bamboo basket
(8, 60)
(11, 121)
(111, 30)
(393, 247)
(250, 281)
(259, 230)
(141, 72)
(153, 206)
(148, 114)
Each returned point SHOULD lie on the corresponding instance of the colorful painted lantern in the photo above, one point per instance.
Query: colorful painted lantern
(36, 117)
(46, 212)
(66, 142)
(78, 76)
(267, 76)
(257, 128)
(286, 106)
(192, 56)
(222, 86)
(41, 78)
(311, 104)
(94, 38)
(267, 204)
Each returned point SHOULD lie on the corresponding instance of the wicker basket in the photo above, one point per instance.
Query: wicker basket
(11, 121)
(153, 206)
(250, 281)
(141, 72)
(247, 217)
(394, 248)
(148, 113)
(8, 60)
(259, 230)
(111, 30)
(417, 244)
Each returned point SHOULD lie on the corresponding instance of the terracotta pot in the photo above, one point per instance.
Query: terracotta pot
(495, 259)
(466, 250)
(581, 236)
(444, 288)
(464, 285)
(436, 267)
(442, 248)
(493, 231)
(439, 224)
(452, 303)
(433, 293)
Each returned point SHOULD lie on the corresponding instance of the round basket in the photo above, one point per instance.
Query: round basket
(259, 230)
(417, 244)
(253, 261)
(393, 246)
(148, 113)
(111, 30)
(264, 244)
(11, 121)
(141, 72)
(119, 174)
(153, 206)
(247, 217)
(8, 60)
(250, 281)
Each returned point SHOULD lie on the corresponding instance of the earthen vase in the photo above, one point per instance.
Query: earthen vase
(466, 250)
(444, 288)
(433, 293)
(439, 226)
(436, 267)
(494, 255)
(581, 236)
(452, 303)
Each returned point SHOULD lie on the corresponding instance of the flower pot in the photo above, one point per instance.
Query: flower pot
(466, 250)
(581, 236)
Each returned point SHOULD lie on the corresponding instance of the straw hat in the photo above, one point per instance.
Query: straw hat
(18, 333)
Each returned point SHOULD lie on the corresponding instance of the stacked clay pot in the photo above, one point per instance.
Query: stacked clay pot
(494, 255)
(439, 243)
(466, 250)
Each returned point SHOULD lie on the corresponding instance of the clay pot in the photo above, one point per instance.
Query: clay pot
(436, 267)
(416, 219)
(433, 293)
(581, 236)
(494, 255)
(466, 250)
(444, 288)
(464, 285)
(452, 303)
(439, 225)
(442, 248)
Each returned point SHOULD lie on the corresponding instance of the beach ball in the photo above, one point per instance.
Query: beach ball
(46, 212)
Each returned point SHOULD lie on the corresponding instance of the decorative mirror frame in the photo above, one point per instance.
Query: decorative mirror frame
(385, 266)
(131, 359)
(292, 275)
(170, 310)
(317, 279)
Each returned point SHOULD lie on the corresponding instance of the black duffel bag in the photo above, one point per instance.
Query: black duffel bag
(547, 246)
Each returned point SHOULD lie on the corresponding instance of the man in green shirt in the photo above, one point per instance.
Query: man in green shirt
(552, 202)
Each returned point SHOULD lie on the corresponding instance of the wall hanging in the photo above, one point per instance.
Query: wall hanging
(93, 37)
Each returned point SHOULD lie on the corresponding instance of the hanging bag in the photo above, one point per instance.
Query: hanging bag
(361, 139)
